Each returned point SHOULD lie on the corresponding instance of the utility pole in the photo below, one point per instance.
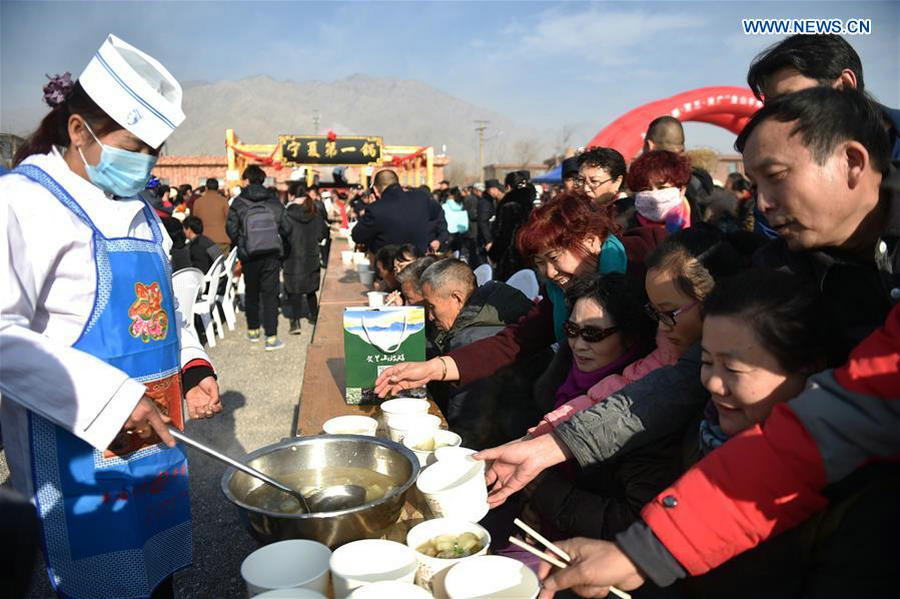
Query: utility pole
(481, 126)
(316, 122)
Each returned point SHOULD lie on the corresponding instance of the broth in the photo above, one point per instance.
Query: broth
(310, 481)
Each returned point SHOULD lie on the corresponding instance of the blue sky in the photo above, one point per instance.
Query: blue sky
(544, 64)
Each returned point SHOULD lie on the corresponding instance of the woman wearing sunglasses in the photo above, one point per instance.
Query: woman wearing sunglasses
(680, 274)
(606, 331)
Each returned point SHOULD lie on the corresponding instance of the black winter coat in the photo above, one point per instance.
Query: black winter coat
(513, 210)
(202, 252)
(233, 225)
(303, 230)
(399, 217)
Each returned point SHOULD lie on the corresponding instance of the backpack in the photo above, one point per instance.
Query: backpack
(259, 230)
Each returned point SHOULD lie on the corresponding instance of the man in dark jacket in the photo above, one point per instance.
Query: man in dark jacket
(203, 250)
(399, 217)
(303, 227)
(470, 237)
(500, 407)
(261, 270)
(487, 205)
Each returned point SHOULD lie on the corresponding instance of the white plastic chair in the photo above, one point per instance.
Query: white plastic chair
(525, 281)
(205, 305)
(186, 285)
(228, 298)
(483, 274)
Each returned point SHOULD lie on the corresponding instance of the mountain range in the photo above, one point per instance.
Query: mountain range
(403, 112)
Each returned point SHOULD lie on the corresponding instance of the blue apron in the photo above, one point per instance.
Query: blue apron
(117, 522)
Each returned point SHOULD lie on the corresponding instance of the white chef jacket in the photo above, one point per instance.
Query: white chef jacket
(48, 281)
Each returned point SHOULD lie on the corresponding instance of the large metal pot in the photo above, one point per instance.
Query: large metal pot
(331, 528)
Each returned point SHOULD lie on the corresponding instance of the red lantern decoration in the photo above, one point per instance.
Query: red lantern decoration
(332, 136)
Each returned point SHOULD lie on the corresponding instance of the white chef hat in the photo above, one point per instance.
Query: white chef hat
(134, 90)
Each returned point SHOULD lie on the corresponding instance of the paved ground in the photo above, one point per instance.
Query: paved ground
(260, 392)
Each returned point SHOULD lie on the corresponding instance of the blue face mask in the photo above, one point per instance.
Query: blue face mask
(119, 172)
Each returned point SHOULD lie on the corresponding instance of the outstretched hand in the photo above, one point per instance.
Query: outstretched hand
(593, 568)
(516, 464)
(406, 375)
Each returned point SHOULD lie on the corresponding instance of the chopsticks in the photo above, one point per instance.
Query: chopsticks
(549, 558)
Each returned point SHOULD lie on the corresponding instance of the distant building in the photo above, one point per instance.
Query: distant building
(176, 170)
(9, 145)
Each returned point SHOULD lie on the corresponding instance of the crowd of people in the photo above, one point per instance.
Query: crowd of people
(697, 398)
(717, 414)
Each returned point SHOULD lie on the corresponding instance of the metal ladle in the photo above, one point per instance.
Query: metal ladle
(334, 498)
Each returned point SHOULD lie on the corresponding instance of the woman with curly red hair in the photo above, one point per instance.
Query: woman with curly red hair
(660, 179)
(567, 239)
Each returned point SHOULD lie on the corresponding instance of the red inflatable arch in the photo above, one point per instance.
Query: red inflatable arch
(726, 107)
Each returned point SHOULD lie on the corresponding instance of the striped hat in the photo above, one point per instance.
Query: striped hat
(134, 90)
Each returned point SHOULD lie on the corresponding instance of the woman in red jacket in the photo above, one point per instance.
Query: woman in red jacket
(843, 419)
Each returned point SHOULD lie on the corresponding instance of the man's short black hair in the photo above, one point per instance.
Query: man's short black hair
(826, 117)
(606, 158)
(667, 133)
(297, 188)
(819, 57)
(194, 224)
(212, 184)
(384, 179)
(254, 174)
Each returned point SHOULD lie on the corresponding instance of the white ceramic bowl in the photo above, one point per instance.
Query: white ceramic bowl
(285, 565)
(376, 298)
(360, 258)
(351, 425)
(370, 560)
(404, 424)
(404, 405)
(367, 277)
(390, 590)
(452, 453)
(347, 257)
(455, 489)
(491, 576)
(440, 439)
(432, 570)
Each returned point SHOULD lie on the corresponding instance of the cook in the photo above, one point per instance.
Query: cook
(95, 353)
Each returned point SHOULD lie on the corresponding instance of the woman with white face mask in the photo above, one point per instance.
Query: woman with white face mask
(659, 180)
(95, 354)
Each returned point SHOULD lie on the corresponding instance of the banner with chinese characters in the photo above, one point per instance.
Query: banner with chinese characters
(320, 149)
(375, 339)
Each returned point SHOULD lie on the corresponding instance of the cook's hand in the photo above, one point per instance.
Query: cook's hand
(435, 245)
(411, 375)
(203, 400)
(394, 298)
(488, 246)
(594, 567)
(516, 464)
(146, 419)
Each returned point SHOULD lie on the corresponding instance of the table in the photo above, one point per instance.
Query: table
(322, 394)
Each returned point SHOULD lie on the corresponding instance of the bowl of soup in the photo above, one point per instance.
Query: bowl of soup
(386, 470)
